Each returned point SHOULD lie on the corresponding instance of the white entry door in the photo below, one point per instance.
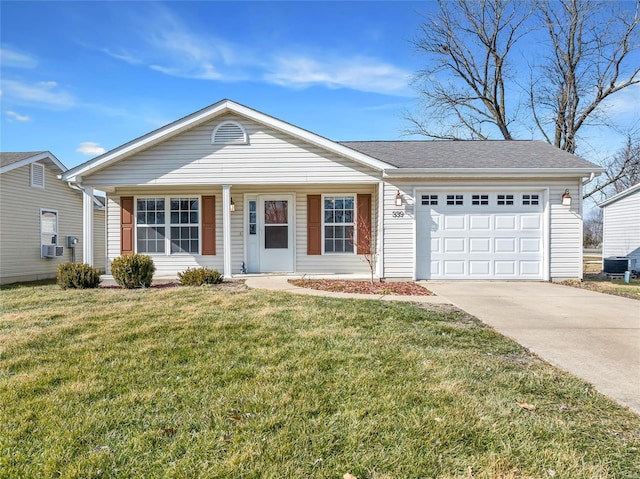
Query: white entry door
(276, 239)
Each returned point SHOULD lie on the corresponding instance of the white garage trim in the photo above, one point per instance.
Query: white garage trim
(493, 210)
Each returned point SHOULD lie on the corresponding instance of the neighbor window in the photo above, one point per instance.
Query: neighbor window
(182, 222)
(339, 216)
(48, 227)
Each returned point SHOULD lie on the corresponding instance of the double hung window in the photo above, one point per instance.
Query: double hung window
(339, 222)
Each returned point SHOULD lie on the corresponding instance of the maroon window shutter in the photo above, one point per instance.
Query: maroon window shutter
(127, 225)
(365, 232)
(208, 225)
(314, 224)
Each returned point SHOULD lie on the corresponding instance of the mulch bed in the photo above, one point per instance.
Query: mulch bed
(400, 288)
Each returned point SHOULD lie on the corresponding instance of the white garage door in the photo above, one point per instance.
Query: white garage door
(466, 235)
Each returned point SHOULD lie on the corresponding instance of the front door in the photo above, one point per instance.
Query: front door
(275, 222)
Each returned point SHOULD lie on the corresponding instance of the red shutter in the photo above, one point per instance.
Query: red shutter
(314, 224)
(127, 225)
(208, 225)
(365, 233)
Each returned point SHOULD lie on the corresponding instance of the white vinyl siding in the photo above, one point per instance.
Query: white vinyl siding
(621, 228)
(20, 241)
(170, 265)
(271, 157)
(563, 231)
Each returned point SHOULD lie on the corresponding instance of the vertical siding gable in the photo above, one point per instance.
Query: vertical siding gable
(190, 158)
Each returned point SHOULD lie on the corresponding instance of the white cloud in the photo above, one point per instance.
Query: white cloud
(42, 93)
(624, 102)
(17, 117)
(357, 73)
(168, 46)
(90, 148)
(15, 59)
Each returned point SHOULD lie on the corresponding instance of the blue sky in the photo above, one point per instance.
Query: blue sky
(81, 77)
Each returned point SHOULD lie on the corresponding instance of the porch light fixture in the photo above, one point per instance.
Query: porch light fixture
(398, 198)
(232, 206)
(566, 198)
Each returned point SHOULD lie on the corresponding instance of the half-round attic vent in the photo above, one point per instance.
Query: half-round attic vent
(229, 133)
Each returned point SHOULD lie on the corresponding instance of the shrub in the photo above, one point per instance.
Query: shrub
(200, 276)
(77, 276)
(133, 271)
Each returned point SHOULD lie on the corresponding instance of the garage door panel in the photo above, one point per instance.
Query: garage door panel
(454, 245)
(505, 245)
(479, 245)
(480, 240)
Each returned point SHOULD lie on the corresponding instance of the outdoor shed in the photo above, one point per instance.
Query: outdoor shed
(621, 225)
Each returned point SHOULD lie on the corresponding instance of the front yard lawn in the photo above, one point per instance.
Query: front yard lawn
(194, 382)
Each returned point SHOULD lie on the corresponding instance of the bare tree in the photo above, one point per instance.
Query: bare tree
(589, 61)
(365, 244)
(592, 229)
(622, 171)
(468, 91)
(465, 87)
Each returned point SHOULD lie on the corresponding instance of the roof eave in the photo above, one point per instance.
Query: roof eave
(491, 172)
(621, 195)
(32, 159)
(217, 109)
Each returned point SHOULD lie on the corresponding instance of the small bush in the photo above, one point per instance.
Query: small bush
(200, 276)
(133, 271)
(77, 276)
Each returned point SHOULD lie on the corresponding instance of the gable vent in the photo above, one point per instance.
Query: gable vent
(37, 175)
(229, 133)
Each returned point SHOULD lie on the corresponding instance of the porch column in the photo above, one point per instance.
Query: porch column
(87, 225)
(226, 230)
(380, 235)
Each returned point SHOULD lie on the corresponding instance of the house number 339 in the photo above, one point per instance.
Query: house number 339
(397, 214)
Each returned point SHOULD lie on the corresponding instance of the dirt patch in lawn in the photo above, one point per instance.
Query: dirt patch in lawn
(400, 288)
(601, 284)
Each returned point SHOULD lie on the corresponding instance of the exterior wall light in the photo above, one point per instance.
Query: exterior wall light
(232, 206)
(398, 199)
(566, 198)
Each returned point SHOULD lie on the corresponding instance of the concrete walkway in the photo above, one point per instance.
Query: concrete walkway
(592, 335)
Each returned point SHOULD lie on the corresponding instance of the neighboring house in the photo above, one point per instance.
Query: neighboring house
(38, 211)
(231, 188)
(621, 225)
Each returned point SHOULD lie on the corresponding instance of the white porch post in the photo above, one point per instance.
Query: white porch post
(380, 238)
(226, 229)
(87, 226)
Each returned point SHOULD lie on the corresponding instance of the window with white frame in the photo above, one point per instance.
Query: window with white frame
(530, 199)
(504, 200)
(339, 222)
(428, 200)
(176, 230)
(48, 227)
(479, 200)
(455, 200)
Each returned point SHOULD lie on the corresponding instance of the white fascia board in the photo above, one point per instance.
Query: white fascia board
(45, 155)
(489, 173)
(620, 195)
(225, 106)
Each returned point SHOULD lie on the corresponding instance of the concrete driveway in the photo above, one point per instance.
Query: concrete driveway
(592, 335)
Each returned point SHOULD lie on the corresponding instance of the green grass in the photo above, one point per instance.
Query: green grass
(194, 382)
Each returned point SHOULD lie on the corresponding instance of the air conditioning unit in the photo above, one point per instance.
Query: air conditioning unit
(52, 251)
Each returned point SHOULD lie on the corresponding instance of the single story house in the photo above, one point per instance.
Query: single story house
(38, 214)
(231, 188)
(621, 225)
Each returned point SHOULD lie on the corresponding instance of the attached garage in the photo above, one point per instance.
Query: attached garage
(480, 234)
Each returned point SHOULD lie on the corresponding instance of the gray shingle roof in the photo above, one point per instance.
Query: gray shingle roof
(470, 154)
(9, 158)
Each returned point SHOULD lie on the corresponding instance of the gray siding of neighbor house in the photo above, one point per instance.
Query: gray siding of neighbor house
(20, 206)
(621, 228)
